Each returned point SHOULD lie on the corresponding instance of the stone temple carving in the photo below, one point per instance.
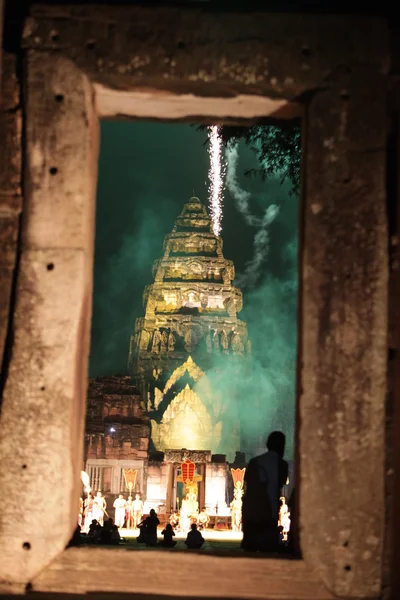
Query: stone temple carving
(190, 316)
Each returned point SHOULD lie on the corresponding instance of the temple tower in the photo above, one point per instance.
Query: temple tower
(190, 329)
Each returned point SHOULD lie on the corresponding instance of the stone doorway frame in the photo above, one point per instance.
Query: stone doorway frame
(174, 458)
(196, 64)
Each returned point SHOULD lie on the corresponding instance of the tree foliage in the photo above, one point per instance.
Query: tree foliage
(278, 150)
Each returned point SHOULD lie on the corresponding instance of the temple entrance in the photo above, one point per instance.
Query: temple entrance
(178, 461)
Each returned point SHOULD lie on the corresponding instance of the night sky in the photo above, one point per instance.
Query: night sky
(147, 171)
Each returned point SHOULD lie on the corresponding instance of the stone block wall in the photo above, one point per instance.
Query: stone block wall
(117, 426)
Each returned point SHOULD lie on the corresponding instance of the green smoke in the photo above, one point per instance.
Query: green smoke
(146, 173)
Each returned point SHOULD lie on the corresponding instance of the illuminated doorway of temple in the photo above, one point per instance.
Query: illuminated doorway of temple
(194, 330)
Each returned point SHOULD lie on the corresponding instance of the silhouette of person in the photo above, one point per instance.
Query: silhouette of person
(115, 536)
(151, 528)
(106, 537)
(194, 538)
(141, 539)
(92, 527)
(168, 534)
(264, 478)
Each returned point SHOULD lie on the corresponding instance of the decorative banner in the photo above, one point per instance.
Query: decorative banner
(130, 478)
(236, 504)
(188, 473)
(238, 477)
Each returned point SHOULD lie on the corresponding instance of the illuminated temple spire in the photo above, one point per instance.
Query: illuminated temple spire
(190, 321)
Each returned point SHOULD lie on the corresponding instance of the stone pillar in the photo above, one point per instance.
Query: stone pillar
(343, 346)
(42, 418)
(116, 479)
(202, 486)
(170, 483)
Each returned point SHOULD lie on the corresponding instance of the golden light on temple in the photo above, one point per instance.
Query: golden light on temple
(190, 319)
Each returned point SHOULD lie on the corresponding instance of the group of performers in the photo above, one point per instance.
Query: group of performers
(130, 512)
(93, 507)
(127, 512)
(182, 522)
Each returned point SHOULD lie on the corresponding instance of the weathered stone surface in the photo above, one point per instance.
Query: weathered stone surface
(10, 204)
(10, 92)
(6, 280)
(10, 188)
(76, 572)
(344, 334)
(391, 571)
(39, 406)
(114, 400)
(206, 52)
(63, 99)
(8, 240)
(8, 249)
(10, 135)
(41, 435)
(10, 157)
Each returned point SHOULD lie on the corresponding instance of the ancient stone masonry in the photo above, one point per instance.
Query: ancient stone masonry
(190, 324)
(116, 425)
(10, 186)
(193, 63)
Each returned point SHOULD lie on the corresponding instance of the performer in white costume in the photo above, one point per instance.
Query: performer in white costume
(203, 519)
(284, 519)
(120, 508)
(99, 508)
(80, 516)
(87, 513)
(129, 513)
(137, 506)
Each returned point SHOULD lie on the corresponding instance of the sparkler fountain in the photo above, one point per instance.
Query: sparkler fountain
(216, 176)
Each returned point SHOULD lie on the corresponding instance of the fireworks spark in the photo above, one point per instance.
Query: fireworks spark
(216, 177)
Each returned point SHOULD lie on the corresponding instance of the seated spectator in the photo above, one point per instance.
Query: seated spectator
(115, 537)
(106, 532)
(194, 538)
(141, 539)
(203, 519)
(97, 533)
(92, 528)
(168, 534)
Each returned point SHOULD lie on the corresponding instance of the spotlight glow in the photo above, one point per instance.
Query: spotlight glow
(216, 177)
